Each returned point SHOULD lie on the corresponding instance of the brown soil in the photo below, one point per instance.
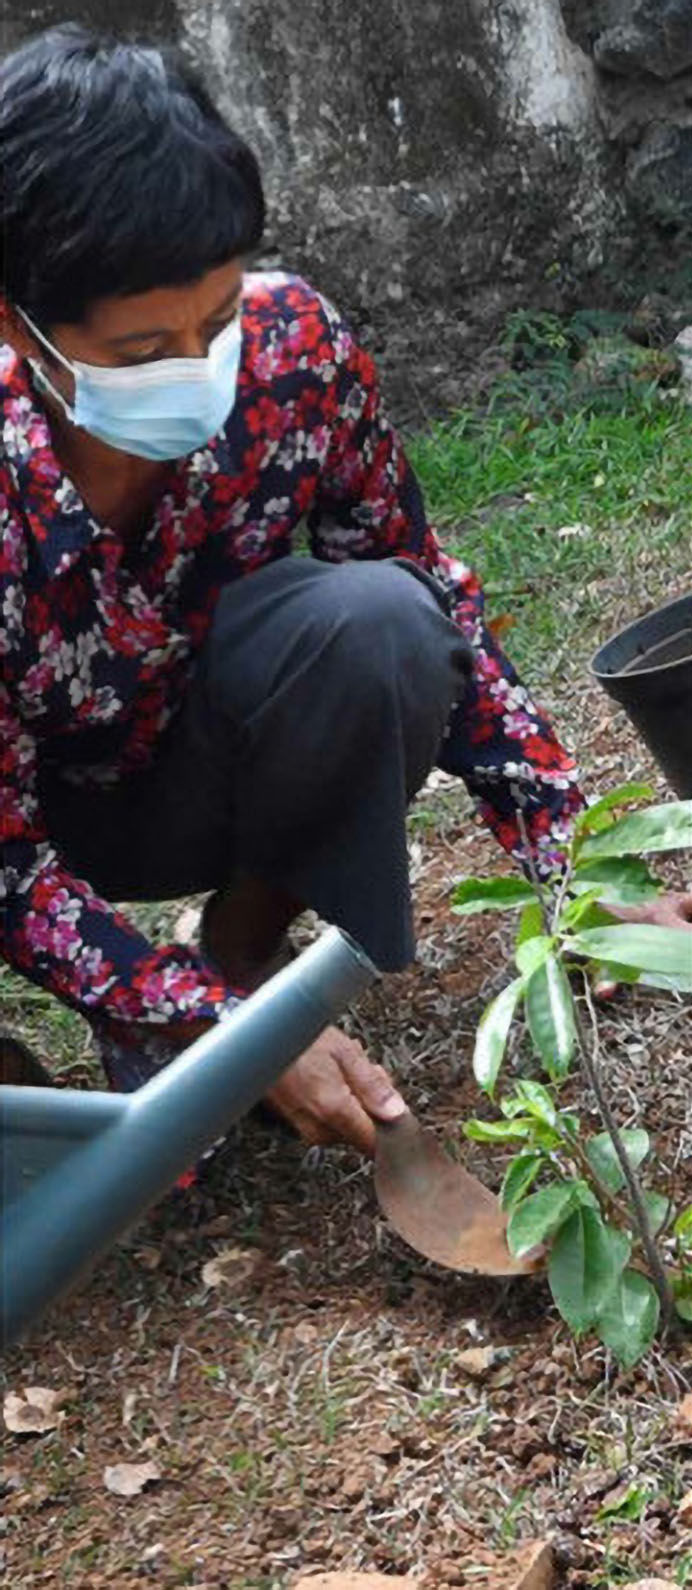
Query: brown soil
(313, 1413)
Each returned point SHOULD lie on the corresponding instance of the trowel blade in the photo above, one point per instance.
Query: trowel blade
(438, 1207)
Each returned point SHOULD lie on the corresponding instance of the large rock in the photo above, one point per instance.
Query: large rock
(158, 18)
(432, 165)
(428, 164)
(632, 37)
(642, 50)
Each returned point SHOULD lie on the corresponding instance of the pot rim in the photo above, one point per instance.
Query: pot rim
(628, 670)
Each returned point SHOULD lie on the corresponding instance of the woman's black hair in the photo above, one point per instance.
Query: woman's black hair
(117, 175)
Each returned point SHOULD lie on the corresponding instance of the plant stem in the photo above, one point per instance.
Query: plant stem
(561, 893)
(590, 1058)
(603, 1193)
(533, 870)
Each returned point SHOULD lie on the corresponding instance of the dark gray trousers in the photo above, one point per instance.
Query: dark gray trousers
(314, 714)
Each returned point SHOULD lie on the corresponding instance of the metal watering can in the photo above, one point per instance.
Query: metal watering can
(77, 1169)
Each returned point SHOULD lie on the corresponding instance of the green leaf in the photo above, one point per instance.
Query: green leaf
(619, 880)
(627, 1324)
(585, 911)
(533, 952)
(667, 985)
(550, 1015)
(630, 1504)
(666, 827)
(543, 1134)
(535, 1100)
(473, 895)
(492, 1035)
(612, 973)
(682, 1293)
(597, 816)
(586, 1261)
(498, 1131)
(539, 1216)
(570, 1124)
(603, 1158)
(648, 948)
(519, 1177)
(658, 1208)
(530, 923)
(683, 1227)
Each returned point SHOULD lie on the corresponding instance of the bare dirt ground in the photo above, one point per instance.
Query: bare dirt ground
(314, 1410)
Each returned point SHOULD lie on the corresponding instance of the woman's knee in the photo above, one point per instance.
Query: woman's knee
(371, 628)
(394, 630)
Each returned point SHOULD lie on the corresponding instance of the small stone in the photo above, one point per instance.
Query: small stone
(476, 1361)
(354, 1486)
(10, 1480)
(650, 1584)
(536, 1567)
(356, 1581)
(385, 1446)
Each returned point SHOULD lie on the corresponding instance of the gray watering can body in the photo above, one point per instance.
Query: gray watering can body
(647, 669)
(79, 1168)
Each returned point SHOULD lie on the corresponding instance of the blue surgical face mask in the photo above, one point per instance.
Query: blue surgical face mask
(161, 410)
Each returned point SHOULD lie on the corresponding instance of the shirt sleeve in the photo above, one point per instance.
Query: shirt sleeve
(369, 505)
(56, 931)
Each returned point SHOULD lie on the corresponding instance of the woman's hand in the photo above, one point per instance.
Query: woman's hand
(334, 1093)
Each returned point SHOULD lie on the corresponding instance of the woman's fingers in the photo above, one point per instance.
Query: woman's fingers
(333, 1093)
(370, 1084)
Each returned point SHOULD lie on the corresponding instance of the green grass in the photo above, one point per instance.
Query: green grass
(622, 470)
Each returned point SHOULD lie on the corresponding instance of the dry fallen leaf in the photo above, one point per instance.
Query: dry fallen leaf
(220, 1226)
(230, 1267)
(684, 1413)
(685, 1510)
(499, 626)
(130, 1479)
(148, 1256)
(34, 1410)
(570, 532)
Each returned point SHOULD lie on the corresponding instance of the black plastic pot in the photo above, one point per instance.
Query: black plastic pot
(647, 669)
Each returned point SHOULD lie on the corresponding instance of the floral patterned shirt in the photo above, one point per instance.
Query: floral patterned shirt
(90, 638)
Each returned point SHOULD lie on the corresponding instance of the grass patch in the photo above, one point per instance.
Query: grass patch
(561, 510)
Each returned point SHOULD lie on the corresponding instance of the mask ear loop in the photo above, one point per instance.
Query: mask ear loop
(40, 374)
(46, 343)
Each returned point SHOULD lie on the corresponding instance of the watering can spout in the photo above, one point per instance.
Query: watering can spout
(647, 669)
(80, 1168)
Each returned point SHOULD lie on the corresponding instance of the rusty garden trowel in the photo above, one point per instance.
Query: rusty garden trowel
(438, 1207)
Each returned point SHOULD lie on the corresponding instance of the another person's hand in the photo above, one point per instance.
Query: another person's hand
(334, 1093)
(671, 910)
